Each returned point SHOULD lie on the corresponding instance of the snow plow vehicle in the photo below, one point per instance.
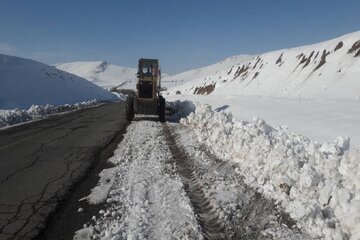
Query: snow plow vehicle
(148, 100)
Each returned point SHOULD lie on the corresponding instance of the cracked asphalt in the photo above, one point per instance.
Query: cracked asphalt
(39, 162)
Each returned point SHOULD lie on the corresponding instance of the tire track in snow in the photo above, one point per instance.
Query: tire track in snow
(148, 200)
(245, 213)
(207, 213)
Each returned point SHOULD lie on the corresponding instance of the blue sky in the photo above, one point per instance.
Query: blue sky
(183, 34)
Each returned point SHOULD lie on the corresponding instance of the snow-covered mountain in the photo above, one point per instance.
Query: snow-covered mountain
(102, 73)
(330, 69)
(24, 82)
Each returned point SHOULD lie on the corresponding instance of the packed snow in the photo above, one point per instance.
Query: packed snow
(26, 82)
(317, 183)
(144, 193)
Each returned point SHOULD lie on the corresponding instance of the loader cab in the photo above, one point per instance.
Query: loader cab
(148, 99)
(148, 78)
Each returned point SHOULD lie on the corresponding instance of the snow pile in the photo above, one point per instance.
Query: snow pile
(318, 184)
(244, 213)
(100, 192)
(182, 109)
(36, 112)
(26, 82)
(328, 69)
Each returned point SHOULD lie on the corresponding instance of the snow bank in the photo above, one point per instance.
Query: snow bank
(317, 183)
(36, 112)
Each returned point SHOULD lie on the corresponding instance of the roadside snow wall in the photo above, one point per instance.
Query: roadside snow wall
(36, 112)
(317, 183)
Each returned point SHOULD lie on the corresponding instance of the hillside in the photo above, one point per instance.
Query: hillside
(25, 82)
(102, 73)
(329, 69)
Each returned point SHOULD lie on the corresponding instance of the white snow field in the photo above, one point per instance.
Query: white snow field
(25, 82)
(102, 73)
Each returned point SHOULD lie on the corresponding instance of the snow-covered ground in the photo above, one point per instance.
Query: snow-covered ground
(145, 195)
(25, 82)
(146, 199)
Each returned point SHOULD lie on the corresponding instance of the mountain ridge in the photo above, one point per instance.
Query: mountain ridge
(314, 70)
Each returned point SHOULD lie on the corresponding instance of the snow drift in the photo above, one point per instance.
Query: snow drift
(317, 183)
(329, 69)
(25, 82)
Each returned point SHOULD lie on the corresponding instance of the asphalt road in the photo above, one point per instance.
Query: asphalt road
(39, 162)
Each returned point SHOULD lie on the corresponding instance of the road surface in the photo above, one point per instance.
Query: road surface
(39, 162)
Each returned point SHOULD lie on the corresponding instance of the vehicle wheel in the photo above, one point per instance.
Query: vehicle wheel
(131, 111)
(161, 109)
